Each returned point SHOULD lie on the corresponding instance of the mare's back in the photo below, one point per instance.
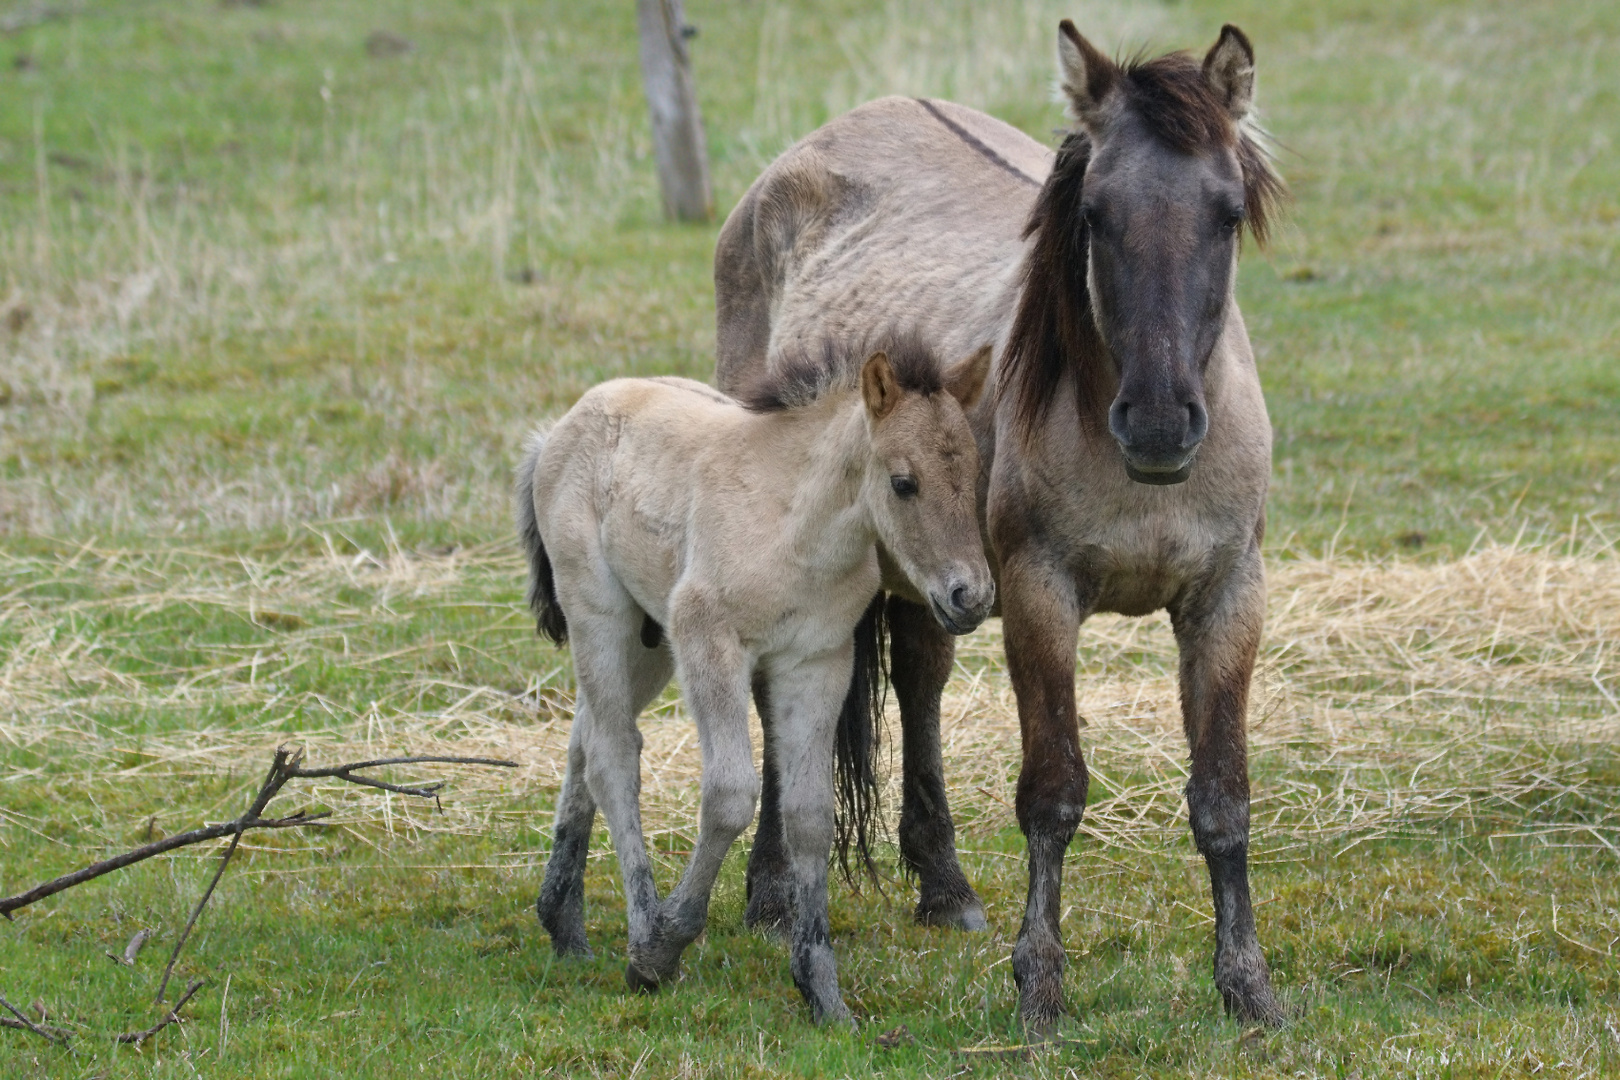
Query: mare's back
(898, 214)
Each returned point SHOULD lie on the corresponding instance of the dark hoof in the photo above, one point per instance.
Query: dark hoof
(1040, 988)
(576, 949)
(954, 914)
(951, 903)
(770, 912)
(639, 981)
(1258, 1005)
(835, 1016)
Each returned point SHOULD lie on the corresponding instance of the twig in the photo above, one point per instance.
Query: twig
(173, 1017)
(286, 765)
(279, 775)
(22, 1023)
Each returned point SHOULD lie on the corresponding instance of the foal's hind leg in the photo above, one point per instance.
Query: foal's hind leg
(770, 880)
(920, 656)
(1218, 630)
(714, 676)
(561, 906)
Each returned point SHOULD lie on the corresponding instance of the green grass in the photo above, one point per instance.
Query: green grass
(275, 315)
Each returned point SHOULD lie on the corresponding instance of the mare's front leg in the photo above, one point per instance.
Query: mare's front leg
(920, 656)
(770, 878)
(807, 698)
(1041, 618)
(714, 676)
(1218, 630)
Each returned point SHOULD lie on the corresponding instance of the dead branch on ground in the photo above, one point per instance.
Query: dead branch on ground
(22, 1023)
(171, 1017)
(286, 765)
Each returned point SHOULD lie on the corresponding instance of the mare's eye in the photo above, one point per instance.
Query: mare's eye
(904, 486)
(1232, 220)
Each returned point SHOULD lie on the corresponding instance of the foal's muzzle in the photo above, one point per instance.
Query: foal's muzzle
(961, 606)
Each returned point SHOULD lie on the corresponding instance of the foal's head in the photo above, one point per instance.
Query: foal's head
(922, 477)
(1140, 222)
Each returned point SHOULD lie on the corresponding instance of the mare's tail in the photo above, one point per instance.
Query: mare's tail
(549, 619)
(859, 733)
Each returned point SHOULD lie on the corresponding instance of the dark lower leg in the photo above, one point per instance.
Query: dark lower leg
(1221, 830)
(770, 882)
(561, 906)
(1219, 634)
(921, 653)
(1038, 959)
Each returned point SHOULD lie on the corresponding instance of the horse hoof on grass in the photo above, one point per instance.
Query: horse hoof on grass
(956, 914)
(639, 981)
(836, 1017)
(1257, 1006)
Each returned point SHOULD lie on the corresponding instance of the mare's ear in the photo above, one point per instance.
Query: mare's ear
(879, 388)
(1089, 77)
(966, 378)
(1229, 72)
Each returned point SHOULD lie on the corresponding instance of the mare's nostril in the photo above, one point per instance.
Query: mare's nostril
(1197, 423)
(959, 598)
(1119, 425)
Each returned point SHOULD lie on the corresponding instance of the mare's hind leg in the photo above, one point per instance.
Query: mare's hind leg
(920, 656)
(561, 905)
(1218, 630)
(770, 881)
(808, 698)
(714, 676)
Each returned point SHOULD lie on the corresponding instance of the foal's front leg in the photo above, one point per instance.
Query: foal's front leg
(714, 676)
(807, 697)
(1218, 630)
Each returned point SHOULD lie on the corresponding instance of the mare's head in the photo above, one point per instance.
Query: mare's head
(1130, 277)
(922, 476)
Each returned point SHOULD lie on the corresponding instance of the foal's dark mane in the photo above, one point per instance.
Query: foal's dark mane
(802, 377)
(1053, 332)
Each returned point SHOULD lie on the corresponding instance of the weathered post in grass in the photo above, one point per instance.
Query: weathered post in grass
(666, 73)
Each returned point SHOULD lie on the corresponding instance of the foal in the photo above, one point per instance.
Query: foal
(749, 531)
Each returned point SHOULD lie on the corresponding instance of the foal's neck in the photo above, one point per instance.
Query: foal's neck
(829, 522)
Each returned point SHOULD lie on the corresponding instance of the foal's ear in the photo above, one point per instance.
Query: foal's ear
(1229, 72)
(879, 388)
(1089, 77)
(966, 378)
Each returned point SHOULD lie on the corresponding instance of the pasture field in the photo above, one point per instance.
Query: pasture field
(279, 297)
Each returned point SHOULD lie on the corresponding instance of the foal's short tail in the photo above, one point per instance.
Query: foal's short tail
(548, 613)
(860, 725)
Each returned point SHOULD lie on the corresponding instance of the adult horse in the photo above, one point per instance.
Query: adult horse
(1125, 455)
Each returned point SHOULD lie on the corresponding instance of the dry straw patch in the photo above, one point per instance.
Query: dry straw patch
(1391, 697)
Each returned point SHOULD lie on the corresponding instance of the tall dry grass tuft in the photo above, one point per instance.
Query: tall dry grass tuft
(1391, 697)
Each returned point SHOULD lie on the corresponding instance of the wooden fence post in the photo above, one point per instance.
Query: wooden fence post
(666, 73)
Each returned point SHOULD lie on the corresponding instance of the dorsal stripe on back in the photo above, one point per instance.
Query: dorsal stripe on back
(974, 141)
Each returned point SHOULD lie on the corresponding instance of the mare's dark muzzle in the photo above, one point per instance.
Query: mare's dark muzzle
(1158, 440)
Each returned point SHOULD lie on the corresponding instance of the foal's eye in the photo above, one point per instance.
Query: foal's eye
(904, 486)
(1232, 220)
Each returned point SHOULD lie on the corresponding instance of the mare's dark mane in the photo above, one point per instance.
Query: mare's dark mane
(1053, 332)
(801, 377)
